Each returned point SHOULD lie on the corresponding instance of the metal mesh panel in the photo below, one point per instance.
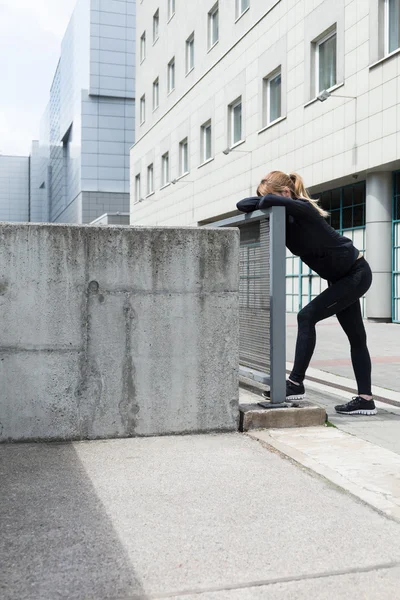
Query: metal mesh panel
(254, 294)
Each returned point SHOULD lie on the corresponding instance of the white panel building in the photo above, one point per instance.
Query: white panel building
(244, 76)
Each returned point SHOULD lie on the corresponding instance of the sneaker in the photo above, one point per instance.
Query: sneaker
(293, 392)
(357, 406)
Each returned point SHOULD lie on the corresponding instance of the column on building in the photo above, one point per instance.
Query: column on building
(379, 244)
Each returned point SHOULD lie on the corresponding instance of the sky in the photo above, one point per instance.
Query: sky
(30, 40)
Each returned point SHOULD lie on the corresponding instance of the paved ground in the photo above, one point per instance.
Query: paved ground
(211, 517)
(332, 352)
(214, 517)
(382, 429)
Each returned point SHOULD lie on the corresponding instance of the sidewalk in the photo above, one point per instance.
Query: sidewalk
(332, 353)
(210, 517)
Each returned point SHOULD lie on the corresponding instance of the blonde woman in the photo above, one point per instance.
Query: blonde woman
(334, 258)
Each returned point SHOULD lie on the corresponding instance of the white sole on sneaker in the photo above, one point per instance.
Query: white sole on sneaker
(357, 412)
(297, 397)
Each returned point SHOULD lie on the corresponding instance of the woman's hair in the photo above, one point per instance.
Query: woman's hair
(276, 182)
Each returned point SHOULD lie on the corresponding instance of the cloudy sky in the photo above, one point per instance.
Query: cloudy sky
(30, 39)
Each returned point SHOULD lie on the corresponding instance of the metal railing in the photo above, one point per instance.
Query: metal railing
(262, 297)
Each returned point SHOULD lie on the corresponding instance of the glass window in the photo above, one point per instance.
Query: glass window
(171, 8)
(396, 214)
(143, 46)
(150, 179)
(171, 75)
(241, 6)
(156, 93)
(358, 215)
(165, 169)
(346, 206)
(326, 63)
(137, 189)
(190, 53)
(347, 217)
(348, 196)
(335, 219)
(143, 109)
(236, 122)
(183, 157)
(392, 25)
(206, 149)
(213, 26)
(156, 25)
(272, 97)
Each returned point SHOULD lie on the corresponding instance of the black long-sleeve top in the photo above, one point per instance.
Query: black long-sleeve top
(309, 236)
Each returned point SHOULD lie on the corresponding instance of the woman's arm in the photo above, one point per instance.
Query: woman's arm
(295, 208)
(248, 204)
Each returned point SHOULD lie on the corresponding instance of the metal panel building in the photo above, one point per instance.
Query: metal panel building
(14, 188)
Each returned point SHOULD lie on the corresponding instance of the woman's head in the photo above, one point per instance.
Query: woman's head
(290, 185)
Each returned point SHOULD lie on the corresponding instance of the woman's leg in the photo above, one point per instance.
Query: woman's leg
(352, 324)
(339, 296)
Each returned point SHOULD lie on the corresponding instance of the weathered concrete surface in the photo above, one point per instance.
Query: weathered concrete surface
(366, 470)
(166, 517)
(113, 332)
(253, 416)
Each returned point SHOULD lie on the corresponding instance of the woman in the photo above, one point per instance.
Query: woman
(335, 259)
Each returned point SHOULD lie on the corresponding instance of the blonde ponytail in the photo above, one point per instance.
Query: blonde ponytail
(277, 181)
(301, 192)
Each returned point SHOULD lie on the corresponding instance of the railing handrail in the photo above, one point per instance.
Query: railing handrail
(235, 221)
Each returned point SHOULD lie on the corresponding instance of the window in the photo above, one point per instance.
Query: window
(213, 26)
(156, 25)
(190, 53)
(205, 142)
(143, 46)
(325, 62)
(183, 157)
(392, 25)
(171, 75)
(165, 169)
(156, 93)
(142, 109)
(241, 7)
(235, 122)
(272, 97)
(137, 189)
(150, 180)
(171, 9)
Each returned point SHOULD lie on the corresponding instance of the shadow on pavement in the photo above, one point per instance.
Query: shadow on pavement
(56, 538)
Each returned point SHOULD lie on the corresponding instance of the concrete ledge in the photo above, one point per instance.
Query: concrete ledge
(253, 416)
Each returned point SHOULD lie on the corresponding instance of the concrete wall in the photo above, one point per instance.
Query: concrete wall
(114, 332)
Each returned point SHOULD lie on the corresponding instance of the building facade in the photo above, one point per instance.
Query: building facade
(230, 90)
(14, 188)
(80, 165)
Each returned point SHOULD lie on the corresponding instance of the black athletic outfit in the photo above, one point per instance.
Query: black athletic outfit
(334, 258)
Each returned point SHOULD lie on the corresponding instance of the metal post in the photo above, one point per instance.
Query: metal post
(278, 305)
(277, 376)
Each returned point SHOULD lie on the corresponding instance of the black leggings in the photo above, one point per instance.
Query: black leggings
(343, 299)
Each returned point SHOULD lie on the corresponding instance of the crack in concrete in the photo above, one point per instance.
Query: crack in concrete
(264, 582)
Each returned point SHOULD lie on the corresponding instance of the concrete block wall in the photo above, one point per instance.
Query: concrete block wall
(116, 332)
